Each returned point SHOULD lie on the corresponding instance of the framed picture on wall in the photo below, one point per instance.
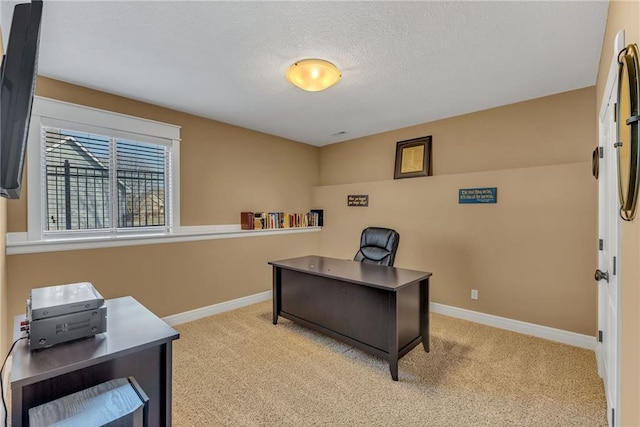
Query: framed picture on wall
(413, 158)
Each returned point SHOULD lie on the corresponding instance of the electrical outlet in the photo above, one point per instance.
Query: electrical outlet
(474, 294)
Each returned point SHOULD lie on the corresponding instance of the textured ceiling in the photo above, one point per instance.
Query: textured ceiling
(403, 63)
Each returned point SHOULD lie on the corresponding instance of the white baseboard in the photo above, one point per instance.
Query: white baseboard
(600, 360)
(199, 313)
(551, 334)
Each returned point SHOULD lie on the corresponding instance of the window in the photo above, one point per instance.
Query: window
(102, 173)
(95, 182)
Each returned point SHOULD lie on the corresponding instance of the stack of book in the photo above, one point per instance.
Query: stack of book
(275, 220)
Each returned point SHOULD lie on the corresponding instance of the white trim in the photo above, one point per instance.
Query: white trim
(618, 45)
(174, 201)
(551, 334)
(611, 380)
(18, 243)
(600, 360)
(88, 127)
(199, 313)
(83, 115)
(35, 179)
(53, 112)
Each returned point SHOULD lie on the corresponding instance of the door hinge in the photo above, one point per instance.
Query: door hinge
(614, 265)
(615, 113)
(599, 336)
(600, 244)
(601, 152)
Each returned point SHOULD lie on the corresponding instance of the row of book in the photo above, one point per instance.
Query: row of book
(274, 220)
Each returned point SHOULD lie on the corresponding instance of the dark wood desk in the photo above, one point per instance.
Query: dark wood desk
(381, 310)
(137, 343)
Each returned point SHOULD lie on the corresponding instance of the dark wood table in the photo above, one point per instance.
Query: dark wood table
(381, 310)
(137, 343)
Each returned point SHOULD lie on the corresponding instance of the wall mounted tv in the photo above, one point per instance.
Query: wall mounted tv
(18, 77)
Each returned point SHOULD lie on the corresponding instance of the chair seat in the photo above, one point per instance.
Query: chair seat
(374, 253)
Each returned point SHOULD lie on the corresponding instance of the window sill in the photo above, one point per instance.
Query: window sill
(17, 243)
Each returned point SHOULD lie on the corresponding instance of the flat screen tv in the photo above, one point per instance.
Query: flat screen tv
(18, 77)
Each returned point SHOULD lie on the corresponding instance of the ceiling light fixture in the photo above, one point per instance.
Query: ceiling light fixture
(313, 75)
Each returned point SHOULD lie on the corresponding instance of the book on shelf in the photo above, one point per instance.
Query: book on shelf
(318, 216)
(280, 220)
(257, 223)
(246, 220)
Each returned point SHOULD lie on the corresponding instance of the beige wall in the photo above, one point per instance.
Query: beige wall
(626, 15)
(545, 131)
(531, 256)
(224, 170)
(166, 278)
(534, 152)
(3, 261)
(528, 255)
(4, 317)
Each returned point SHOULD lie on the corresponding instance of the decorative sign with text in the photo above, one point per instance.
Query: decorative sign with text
(478, 195)
(358, 200)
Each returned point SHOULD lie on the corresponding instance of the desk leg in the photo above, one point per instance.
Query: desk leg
(277, 287)
(424, 313)
(167, 367)
(16, 407)
(393, 335)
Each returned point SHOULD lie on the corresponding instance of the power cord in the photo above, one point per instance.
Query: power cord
(4, 404)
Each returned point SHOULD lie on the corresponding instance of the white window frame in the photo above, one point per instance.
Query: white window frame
(53, 113)
(34, 240)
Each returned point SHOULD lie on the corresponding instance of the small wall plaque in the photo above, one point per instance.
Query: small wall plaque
(358, 200)
(478, 195)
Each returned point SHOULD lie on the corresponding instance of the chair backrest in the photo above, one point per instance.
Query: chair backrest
(378, 246)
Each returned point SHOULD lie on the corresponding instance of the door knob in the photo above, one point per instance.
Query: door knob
(601, 275)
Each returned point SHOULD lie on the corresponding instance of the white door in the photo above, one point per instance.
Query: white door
(608, 273)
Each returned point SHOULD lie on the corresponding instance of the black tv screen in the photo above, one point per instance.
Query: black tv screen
(19, 70)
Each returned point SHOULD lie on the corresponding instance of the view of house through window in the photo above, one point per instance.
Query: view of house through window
(97, 182)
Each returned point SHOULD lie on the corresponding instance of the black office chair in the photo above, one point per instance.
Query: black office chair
(378, 246)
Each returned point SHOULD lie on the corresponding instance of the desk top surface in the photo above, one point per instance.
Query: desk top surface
(377, 276)
(131, 327)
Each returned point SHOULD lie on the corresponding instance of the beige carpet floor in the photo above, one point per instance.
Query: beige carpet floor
(238, 369)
